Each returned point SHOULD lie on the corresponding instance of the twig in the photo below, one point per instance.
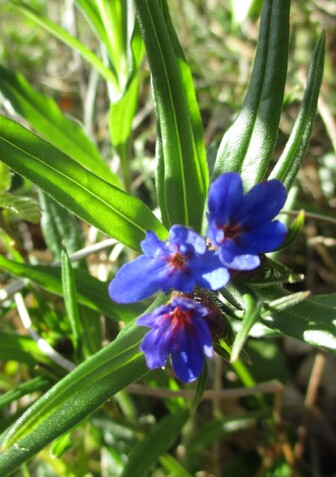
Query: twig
(310, 215)
(270, 387)
(312, 390)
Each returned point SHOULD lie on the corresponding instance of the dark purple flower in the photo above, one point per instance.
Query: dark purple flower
(241, 225)
(178, 329)
(179, 263)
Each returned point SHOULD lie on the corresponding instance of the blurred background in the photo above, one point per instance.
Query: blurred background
(228, 437)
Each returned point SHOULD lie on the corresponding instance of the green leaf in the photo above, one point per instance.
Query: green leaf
(294, 230)
(248, 145)
(70, 41)
(5, 178)
(123, 110)
(108, 208)
(34, 385)
(59, 225)
(171, 465)
(74, 398)
(23, 349)
(309, 321)
(91, 292)
(251, 316)
(289, 163)
(183, 177)
(43, 115)
(70, 300)
(155, 443)
(60, 445)
(24, 207)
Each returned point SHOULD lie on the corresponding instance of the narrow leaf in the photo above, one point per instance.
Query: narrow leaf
(59, 225)
(183, 178)
(44, 115)
(251, 315)
(91, 292)
(248, 145)
(70, 299)
(23, 349)
(108, 208)
(24, 207)
(73, 398)
(32, 386)
(289, 163)
(5, 178)
(155, 443)
(69, 40)
(309, 321)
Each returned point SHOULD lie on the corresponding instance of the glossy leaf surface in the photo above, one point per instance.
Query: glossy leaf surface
(108, 208)
(248, 145)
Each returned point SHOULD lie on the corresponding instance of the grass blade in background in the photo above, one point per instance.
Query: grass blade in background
(155, 443)
(183, 176)
(190, 93)
(91, 292)
(70, 301)
(59, 225)
(24, 207)
(248, 144)
(74, 398)
(108, 208)
(289, 163)
(307, 320)
(68, 40)
(122, 110)
(44, 115)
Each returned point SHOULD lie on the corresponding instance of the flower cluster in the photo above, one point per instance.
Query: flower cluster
(240, 228)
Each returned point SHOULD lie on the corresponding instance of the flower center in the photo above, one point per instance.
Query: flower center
(231, 231)
(177, 261)
(180, 318)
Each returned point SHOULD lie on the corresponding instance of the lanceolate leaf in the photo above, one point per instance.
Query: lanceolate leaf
(251, 315)
(73, 398)
(91, 292)
(248, 145)
(183, 176)
(70, 300)
(189, 90)
(44, 115)
(310, 321)
(288, 165)
(155, 443)
(24, 207)
(108, 208)
(59, 225)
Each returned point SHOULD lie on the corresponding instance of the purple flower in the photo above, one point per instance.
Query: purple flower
(178, 329)
(179, 263)
(241, 225)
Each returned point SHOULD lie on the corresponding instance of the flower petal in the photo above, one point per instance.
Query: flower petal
(188, 361)
(209, 272)
(185, 237)
(225, 197)
(263, 202)
(138, 279)
(233, 258)
(265, 238)
(156, 347)
(153, 318)
(151, 245)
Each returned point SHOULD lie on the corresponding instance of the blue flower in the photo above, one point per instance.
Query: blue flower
(241, 225)
(178, 329)
(179, 263)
